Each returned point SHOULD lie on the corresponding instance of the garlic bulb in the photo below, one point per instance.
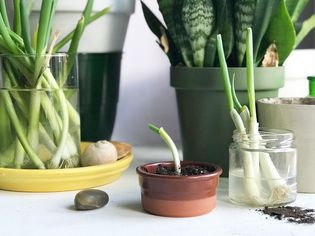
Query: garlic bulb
(99, 153)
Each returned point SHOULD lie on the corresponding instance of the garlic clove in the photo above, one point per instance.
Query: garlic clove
(99, 153)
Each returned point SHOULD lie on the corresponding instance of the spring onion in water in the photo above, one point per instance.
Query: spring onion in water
(42, 116)
(255, 164)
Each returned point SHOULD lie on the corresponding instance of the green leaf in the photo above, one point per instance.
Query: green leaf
(25, 28)
(224, 24)
(17, 17)
(281, 32)
(3, 12)
(263, 15)
(244, 13)
(166, 8)
(74, 45)
(307, 26)
(181, 35)
(198, 17)
(154, 128)
(295, 8)
(211, 50)
(88, 10)
(69, 36)
(155, 26)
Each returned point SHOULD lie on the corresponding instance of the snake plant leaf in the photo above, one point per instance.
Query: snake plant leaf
(171, 16)
(224, 22)
(166, 8)
(281, 32)
(263, 13)
(155, 26)
(244, 13)
(224, 26)
(295, 8)
(181, 35)
(306, 27)
(199, 20)
(211, 47)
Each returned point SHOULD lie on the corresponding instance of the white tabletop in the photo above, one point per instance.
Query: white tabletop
(53, 214)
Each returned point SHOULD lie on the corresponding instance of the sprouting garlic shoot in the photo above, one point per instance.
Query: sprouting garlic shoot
(99, 153)
(170, 144)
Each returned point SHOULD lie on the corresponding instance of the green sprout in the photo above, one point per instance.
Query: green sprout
(170, 144)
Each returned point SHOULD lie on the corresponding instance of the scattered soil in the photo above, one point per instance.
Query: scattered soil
(185, 171)
(291, 214)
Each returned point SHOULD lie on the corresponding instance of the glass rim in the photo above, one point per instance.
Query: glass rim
(282, 137)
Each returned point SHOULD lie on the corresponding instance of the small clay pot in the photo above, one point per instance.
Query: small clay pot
(178, 196)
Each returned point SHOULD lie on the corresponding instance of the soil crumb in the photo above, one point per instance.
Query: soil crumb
(291, 214)
(185, 171)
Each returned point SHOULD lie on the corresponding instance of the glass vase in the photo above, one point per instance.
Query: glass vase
(39, 119)
(262, 168)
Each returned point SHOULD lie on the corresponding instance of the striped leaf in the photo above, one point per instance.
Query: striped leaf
(198, 18)
(181, 35)
(244, 11)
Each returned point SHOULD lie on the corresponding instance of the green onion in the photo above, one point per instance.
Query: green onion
(35, 113)
(25, 28)
(69, 36)
(170, 144)
(246, 124)
(17, 17)
(3, 12)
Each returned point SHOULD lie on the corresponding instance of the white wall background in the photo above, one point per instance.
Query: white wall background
(145, 93)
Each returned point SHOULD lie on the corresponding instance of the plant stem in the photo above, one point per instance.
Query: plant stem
(225, 73)
(17, 17)
(19, 131)
(3, 12)
(69, 36)
(253, 125)
(170, 144)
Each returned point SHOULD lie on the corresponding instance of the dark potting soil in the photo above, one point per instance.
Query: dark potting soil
(185, 171)
(291, 214)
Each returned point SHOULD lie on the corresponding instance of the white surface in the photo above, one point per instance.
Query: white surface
(52, 214)
(145, 93)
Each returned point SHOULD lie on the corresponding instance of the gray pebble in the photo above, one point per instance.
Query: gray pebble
(90, 199)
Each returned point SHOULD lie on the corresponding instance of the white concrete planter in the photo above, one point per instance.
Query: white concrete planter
(298, 115)
(107, 34)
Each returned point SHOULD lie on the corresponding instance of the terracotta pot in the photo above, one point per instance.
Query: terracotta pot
(178, 196)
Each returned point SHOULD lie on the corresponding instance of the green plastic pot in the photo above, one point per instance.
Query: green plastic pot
(99, 75)
(205, 123)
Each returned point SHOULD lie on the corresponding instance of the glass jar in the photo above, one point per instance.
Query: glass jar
(39, 119)
(262, 168)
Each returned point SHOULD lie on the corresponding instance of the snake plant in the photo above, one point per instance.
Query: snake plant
(188, 36)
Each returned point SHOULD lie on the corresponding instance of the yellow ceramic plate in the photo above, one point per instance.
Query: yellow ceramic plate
(62, 179)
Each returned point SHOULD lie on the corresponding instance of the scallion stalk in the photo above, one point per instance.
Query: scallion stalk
(170, 144)
(33, 115)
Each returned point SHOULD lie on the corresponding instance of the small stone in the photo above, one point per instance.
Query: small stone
(90, 199)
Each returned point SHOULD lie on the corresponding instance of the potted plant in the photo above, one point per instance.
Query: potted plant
(296, 114)
(262, 168)
(99, 59)
(178, 189)
(189, 40)
(40, 124)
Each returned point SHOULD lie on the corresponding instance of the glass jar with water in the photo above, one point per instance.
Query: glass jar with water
(262, 168)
